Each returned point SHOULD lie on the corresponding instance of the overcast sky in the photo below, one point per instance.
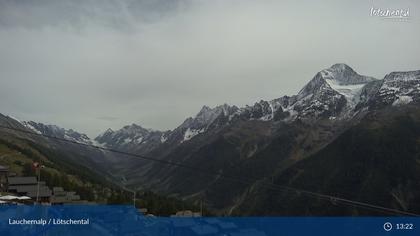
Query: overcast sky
(90, 65)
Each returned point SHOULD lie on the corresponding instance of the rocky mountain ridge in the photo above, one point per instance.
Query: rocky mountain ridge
(336, 93)
(277, 140)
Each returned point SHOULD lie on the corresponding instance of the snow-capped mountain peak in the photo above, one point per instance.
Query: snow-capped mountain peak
(127, 134)
(403, 76)
(398, 88)
(335, 93)
(336, 88)
(343, 74)
(207, 115)
(56, 131)
(204, 119)
(109, 130)
(131, 136)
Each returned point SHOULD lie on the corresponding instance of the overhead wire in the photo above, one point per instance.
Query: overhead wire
(243, 180)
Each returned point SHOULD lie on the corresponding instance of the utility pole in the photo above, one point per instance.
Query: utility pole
(134, 198)
(126, 188)
(39, 180)
(201, 207)
(37, 190)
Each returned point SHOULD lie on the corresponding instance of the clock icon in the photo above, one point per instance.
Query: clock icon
(387, 226)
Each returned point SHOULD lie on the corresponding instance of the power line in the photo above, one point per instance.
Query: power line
(327, 197)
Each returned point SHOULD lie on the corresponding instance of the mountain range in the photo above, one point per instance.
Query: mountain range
(343, 134)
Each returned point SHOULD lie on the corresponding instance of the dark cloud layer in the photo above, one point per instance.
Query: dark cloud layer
(115, 14)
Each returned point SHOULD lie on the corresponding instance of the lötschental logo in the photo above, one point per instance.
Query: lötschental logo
(402, 14)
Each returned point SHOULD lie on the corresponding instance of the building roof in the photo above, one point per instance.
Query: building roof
(64, 197)
(4, 168)
(42, 193)
(22, 180)
(58, 189)
(188, 213)
(30, 188)
(58, 199)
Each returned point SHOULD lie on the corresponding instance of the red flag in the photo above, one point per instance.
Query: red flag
(35, 165)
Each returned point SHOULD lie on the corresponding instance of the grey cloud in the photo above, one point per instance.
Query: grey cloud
(107, 118)
(116, 14)
(157, 62)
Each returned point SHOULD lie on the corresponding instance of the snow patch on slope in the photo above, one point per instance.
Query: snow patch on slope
(402, 100)
(163, 138)
(29, 126)
(351, 91)
(190, 133)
